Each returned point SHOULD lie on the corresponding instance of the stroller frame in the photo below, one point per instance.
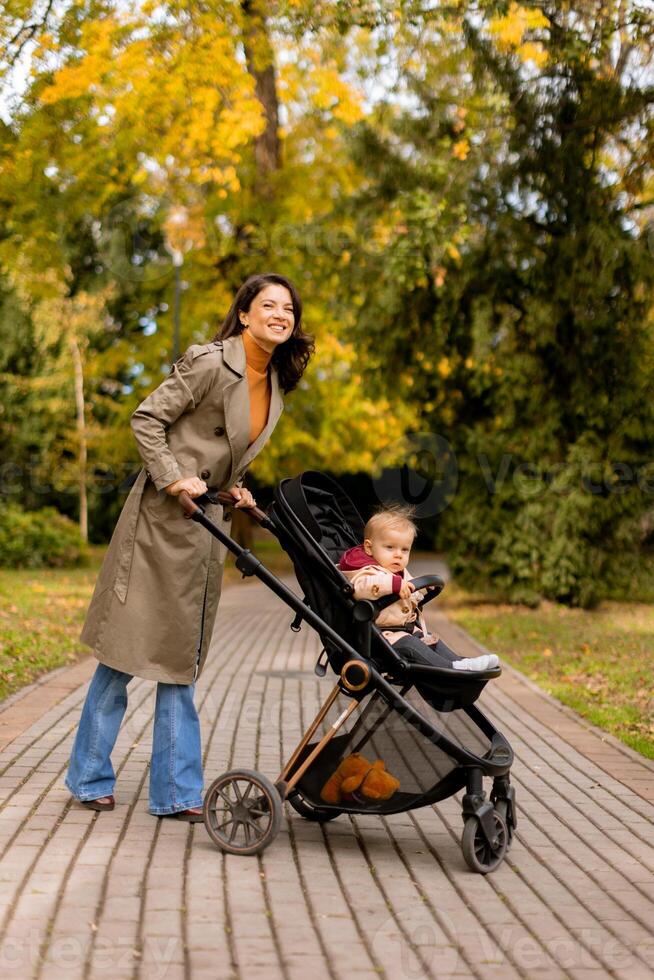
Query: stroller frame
(246, 801)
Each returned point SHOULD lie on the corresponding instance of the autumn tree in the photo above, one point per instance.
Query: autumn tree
(513, 296)
(149, 124)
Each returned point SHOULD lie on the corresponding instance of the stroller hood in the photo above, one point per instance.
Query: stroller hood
(324, 510)
(316, 522)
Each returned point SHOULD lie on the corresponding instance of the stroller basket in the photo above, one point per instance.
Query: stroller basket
(425, 770)
(375, 745)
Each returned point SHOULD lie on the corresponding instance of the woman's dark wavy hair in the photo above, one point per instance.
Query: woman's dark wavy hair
(290, 358)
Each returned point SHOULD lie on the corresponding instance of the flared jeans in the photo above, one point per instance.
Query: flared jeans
(176, 781)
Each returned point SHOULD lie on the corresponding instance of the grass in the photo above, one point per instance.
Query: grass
(598, 662)
(41, 614)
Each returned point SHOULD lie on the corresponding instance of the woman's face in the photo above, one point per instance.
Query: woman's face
(270, 318)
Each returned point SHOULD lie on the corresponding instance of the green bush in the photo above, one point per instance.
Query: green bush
(39, 539)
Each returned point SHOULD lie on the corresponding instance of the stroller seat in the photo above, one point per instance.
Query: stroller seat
(323, 523)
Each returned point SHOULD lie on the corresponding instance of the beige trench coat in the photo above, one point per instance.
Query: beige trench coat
(156, 597)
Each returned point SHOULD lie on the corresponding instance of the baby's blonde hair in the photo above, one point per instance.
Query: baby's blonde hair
(394, 516)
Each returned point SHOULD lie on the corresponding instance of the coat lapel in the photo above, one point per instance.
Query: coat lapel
(236, 399)
(244, 454)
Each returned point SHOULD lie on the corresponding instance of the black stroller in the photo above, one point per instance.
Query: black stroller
(432, 750)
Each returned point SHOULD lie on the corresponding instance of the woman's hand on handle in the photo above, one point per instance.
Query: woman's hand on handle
(193, 485)
(242, 497)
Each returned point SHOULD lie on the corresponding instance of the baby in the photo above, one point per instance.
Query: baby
(378, 567)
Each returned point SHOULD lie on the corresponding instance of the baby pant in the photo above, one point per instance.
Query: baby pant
(413, 649)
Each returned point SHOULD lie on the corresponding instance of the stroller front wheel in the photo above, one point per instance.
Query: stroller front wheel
(481, 855)
(242, 812)
(502, 807)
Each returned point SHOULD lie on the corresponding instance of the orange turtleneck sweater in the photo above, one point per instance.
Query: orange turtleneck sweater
(256, 365)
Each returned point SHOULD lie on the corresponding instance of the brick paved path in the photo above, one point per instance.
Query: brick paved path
(124, 894)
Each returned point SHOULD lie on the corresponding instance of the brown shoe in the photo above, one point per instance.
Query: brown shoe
(102, 803)
(194, 815)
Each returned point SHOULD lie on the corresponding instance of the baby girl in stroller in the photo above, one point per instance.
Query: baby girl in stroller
(378, 567)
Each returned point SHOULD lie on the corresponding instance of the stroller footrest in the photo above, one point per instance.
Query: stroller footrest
(424, 673)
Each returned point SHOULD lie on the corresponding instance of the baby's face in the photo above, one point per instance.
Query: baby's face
(391, 548)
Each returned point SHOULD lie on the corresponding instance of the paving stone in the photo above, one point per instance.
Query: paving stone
(574, 898)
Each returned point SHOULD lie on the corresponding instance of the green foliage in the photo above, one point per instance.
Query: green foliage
(39, 539)
(524, 334)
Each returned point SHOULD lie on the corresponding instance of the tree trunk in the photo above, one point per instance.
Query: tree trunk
(81, 431)
(260, 62)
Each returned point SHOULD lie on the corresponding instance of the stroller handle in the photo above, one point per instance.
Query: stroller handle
(433, 582)
(191, 505)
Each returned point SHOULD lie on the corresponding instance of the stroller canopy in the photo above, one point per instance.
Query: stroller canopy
(316, 522)
(324, 510)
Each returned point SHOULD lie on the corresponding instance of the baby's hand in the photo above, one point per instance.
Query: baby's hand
(406, 589)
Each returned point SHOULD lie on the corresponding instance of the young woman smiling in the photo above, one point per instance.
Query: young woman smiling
(156, 597)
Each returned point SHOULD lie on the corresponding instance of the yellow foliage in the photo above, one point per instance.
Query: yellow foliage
(79, 77)
(439, 272)
(185, 228)
(330, 418)
(510, 30)
(532, 51)
(71, 316)
(348, 110)
(189, 100)
(461, 149)
(330, 91)
(46, 43)
(444, 367)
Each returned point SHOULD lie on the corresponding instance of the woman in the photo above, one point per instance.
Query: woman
(157, 593)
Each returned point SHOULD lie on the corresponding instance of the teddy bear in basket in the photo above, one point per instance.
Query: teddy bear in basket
(356, 779)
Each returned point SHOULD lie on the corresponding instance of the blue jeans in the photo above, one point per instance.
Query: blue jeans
(176, 762)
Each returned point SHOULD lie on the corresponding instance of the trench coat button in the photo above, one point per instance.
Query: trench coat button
(205, 474)
(227, 513)
(219, 431)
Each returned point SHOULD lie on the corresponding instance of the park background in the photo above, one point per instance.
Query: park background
(463, 194)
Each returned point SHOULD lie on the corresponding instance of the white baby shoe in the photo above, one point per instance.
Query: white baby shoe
(486, 662)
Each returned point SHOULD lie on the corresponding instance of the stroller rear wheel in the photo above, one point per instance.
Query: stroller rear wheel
(242, 812)
(308, 810)
(480, 854)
